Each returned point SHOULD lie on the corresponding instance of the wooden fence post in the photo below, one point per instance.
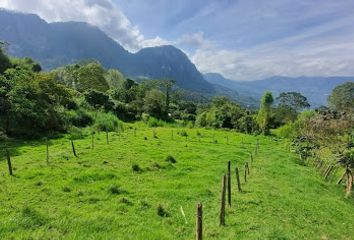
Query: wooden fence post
(248, 168)
(135, 132)
(92, 140)
(251, 157)
(227, 139)
(199, 222)
(245, 173)
(73, 147)
(229, 182)
(238, 180)
(107, 136)
(349, 183)
(9, 162)
(47, 150)
(222, 203)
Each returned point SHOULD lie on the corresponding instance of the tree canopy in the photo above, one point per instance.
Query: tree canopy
(342, 97)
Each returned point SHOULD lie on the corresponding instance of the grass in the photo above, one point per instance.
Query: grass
(99, 195)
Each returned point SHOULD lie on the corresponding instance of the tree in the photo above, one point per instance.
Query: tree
(98, 99)
(31, 103)
(4, 60)
(154, 104)
(114, 78)
(264, 113)
(26, 62)
(342, 97)
(293, 100)
(92, 76)
(167, 85)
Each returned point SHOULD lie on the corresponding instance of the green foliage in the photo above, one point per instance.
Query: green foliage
(32, 104)
(154, 104)
(264, 113)
(342, 97)
(225, 114)
(154, 122)
(107, 121)
(98, 100)
(293, 100)
(4, 61)
(75, 133)
(288, 130)
(114, 78)
(83, 77)
(80, 117)
(27, 63)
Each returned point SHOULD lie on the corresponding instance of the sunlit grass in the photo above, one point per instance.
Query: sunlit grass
(131, 189)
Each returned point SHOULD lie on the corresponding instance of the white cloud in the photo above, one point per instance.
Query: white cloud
(315, 52)
(102, 13)
(196, 40)
(157, 41)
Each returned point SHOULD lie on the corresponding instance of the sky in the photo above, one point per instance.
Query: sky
(240, 39)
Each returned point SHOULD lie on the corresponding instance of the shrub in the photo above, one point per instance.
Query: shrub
(75, 133)
(107, 121)
(287, 131)
(154, 122)
(80, 118)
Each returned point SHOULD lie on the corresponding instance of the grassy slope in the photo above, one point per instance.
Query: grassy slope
(73, 199)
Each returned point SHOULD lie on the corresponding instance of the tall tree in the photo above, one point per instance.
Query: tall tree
(342, 97)
(264, 113)
(167, 85)
(293, 100)
(4, 60)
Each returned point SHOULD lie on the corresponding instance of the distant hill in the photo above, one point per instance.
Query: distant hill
(316, 89)
(56, 44)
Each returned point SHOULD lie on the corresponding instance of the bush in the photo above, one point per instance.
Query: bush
(154, 122)
(80, 118)
(107, 121)
(75, 133)
(287, 131)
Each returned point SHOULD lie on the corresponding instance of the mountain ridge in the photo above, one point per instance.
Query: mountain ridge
(315, 88)
(60, 43)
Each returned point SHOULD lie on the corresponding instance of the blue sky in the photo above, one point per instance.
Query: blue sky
(241, 39)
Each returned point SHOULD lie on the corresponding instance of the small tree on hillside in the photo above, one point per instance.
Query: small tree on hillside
(264, 113)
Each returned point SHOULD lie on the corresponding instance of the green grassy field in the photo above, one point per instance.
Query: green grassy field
(99, 196)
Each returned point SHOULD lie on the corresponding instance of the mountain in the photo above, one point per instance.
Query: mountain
(316, 89)
(56, 44)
